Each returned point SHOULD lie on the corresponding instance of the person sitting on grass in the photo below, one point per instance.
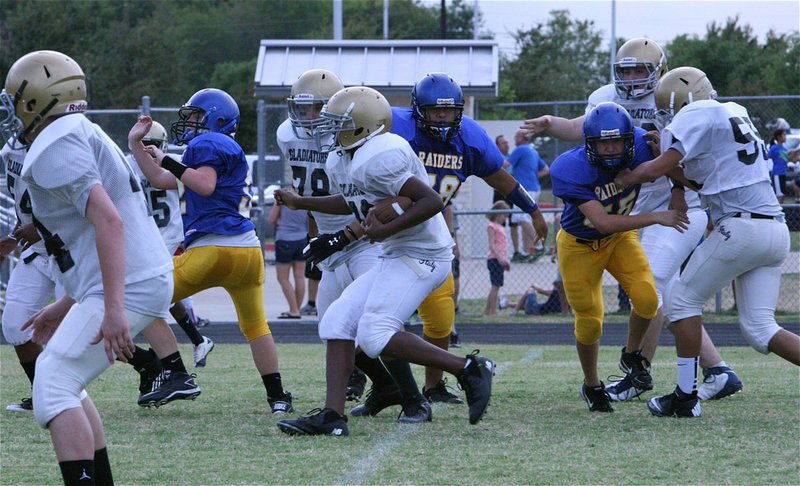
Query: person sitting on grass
(556, 300)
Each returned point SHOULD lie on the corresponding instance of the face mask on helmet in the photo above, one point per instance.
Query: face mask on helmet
(157, 137)
(353, 116)
(438, 106)
(208, 110)
(640, 64)
(608, 126)
(39, 85)
(308, 95)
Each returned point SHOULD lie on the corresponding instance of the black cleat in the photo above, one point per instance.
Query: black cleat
(377, 400)
(24, 405)
(173, 385)
(440, 394)
(316, 422)
(355, 385)
(676, 404)
(416, 411)
(476, 381)
(149, 377)
(597, 398)
(639, 369)
(281, 404)
(455, 341)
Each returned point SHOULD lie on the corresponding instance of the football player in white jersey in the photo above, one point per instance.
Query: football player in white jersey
(640, 64)
(714, 148)
(165, 208)
(368, 164)
(117, 275)
(31, 284)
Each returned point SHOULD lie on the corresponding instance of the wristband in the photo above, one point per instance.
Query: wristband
(173, 166)
(520, 198)
(397, 208)
(350, 230)
(678, 186)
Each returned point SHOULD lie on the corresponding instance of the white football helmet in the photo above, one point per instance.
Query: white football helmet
(40, 84)
(309, 94)
(644, 54)
(157, 136)
(353, 115)
(678, 88)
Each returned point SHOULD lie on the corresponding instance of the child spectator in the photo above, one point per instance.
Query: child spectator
(291, 228)
(497, 258)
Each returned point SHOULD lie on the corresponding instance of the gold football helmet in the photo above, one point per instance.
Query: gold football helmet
(354, 115)
(309, 94)
(40, 84)
(679, 87)
(157, 136)
(643, 55)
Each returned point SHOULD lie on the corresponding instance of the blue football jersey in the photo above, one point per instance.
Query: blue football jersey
(470, 152)
(576, 181)
(224, 211)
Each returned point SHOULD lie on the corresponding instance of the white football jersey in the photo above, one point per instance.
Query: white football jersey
(310, 179)
(655, 195)
(164, 206)
(724, 154)
(378, 170)
(65, 162)
(13, 160)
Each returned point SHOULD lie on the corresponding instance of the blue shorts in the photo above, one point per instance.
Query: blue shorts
(289, 251)
(495, 272)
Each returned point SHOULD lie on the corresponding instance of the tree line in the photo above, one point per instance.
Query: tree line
(170, 49)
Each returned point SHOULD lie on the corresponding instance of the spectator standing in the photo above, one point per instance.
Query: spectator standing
(780, 163)
(527, 167)
(291, 228)
(497, 259)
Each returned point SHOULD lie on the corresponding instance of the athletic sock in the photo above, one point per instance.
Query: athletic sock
(102, 468)
(401, 371)
(141, 357)
(173, 362)
(720, 364)
(191, 330)
(375, 369)
(77, 472)
(29, 368)
(273, 384)
(687, 374)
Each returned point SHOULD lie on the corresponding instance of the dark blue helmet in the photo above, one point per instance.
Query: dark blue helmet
(608, 121)
(216, 111)
(437, 90)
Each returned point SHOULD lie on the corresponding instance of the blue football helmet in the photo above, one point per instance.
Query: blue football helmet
(437, 90)
(608, 121)
(214, 111)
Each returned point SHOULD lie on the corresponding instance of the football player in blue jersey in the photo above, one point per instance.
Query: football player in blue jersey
(598, 233)
(452, 147)
(222, 249)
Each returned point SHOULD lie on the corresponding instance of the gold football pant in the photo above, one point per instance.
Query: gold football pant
(438, 310)
(240, 271)
(581, 265)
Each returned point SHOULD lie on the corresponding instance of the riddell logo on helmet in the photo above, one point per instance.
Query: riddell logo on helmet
(73, 107)
(445, 101)
(609, 133)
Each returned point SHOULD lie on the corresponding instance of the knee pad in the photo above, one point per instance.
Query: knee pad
(374, 333)
(254, 330)
(588, 330)
(54, 389)
(758, 334)
(339, 322)
(438, 311)
(644, 300)
(14, 316)
(681, 303)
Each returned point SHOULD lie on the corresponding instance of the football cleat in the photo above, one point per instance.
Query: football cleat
(24, 405)
(718, 382)
(281, 404)
(455, 342)
(316, 422)
(201, 351)
(440, 394)
(597, 398)
(476, 381)
(172, 385)
(416, 411)
(201, 322)
(676, 404)
(623, 389)
(355, 386)
(638, 367)
(377, 400)
(149, 377)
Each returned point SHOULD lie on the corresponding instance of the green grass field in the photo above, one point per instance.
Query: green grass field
(537, 430)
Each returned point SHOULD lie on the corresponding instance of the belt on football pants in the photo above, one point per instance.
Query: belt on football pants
(752, 216)
(595, 244)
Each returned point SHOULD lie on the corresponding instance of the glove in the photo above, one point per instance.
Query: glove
(325, 245)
